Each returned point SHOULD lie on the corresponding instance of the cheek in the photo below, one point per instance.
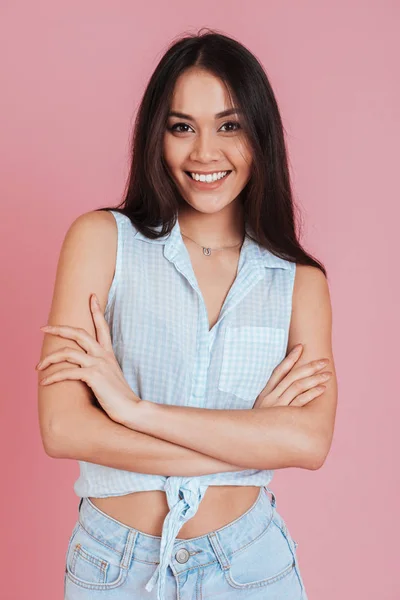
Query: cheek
(174, 153)
(244, 169)
(241, 157)
(168, 153)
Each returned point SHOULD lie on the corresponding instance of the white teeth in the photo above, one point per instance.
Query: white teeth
(210, 177)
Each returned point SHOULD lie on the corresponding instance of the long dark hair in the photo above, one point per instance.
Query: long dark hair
(151, 197)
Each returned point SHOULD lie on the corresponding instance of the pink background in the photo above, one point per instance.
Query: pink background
(72, 76)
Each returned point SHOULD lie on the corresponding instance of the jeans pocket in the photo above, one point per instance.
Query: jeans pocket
(280, 522)
(91, 564)
(264, 561)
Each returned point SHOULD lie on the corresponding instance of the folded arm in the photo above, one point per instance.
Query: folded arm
(262, 438)
(88, 434)
(259, 438)
(70, 426)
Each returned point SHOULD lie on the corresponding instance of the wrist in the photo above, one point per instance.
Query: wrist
(138, 414)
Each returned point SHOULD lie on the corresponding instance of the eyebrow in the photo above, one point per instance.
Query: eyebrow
(224, 113)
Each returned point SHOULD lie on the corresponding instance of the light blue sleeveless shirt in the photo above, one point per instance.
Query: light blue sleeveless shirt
(160, 332)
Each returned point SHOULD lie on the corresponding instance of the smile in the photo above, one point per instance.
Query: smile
(209, 177)
(209, 181)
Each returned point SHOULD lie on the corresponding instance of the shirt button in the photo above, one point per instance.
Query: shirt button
(182, 555)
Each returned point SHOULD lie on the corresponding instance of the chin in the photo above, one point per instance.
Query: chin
(208, 206)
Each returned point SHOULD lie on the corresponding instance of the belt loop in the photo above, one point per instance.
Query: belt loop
(128, 550)
(218, 550)
(273, 501)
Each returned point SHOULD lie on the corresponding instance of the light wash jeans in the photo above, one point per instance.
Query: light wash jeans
(254, 557)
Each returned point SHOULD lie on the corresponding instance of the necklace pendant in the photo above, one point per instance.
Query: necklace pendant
(207, 251)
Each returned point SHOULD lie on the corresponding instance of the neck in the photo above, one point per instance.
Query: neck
(212, 230)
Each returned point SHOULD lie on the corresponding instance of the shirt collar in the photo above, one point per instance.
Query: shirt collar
(173, 241)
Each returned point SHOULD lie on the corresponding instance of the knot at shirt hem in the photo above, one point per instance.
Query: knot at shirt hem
(183, 496)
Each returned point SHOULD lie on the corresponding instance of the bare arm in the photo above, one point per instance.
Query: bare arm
(258, 438)
(71, 425)
(90, 435)
(262, 438)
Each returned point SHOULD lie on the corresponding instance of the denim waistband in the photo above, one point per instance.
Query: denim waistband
(187, 553)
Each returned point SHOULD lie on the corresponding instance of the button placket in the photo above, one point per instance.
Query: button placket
(202, 358)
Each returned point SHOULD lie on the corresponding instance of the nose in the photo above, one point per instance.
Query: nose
(205, 148)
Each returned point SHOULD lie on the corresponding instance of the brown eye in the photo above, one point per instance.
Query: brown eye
(232, 127)
(234, 123)
(176, 125)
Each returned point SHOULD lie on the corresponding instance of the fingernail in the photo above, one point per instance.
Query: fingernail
(95, 300)
(297, 348)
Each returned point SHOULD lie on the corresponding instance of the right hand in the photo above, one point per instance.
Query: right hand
(293, 386)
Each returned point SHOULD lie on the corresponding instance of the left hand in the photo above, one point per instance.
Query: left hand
(97, 365)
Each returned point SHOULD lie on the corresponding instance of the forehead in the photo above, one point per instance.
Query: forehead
(200, 93)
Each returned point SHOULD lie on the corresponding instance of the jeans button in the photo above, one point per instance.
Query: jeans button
(182, 555)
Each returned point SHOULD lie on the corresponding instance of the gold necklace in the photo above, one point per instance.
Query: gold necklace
(207, 251)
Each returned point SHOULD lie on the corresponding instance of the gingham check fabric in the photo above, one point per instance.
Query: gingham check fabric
(161, 339)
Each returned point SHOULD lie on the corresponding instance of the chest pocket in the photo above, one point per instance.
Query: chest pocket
(250, 354)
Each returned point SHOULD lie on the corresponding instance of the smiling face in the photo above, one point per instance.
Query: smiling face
(206, 144)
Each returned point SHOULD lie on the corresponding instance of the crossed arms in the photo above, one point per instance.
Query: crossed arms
(262, 438)
(174, 440)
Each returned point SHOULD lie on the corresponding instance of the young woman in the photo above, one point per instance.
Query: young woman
(197, 373)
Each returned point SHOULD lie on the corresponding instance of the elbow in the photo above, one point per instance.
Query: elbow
(314, 462)
(50, 445)
(52, 451)
(69, 437)
(53, 441)
(47, 437)
(316, 455)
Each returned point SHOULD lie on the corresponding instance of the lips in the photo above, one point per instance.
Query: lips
(206, 186)
(227, 171)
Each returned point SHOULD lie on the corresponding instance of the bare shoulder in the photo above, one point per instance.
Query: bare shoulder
(311, 326)
(89, 249)
(85, 266)
(96, 216)
(311, 289)
(94, 222)
(309, 279)
(311, 321)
